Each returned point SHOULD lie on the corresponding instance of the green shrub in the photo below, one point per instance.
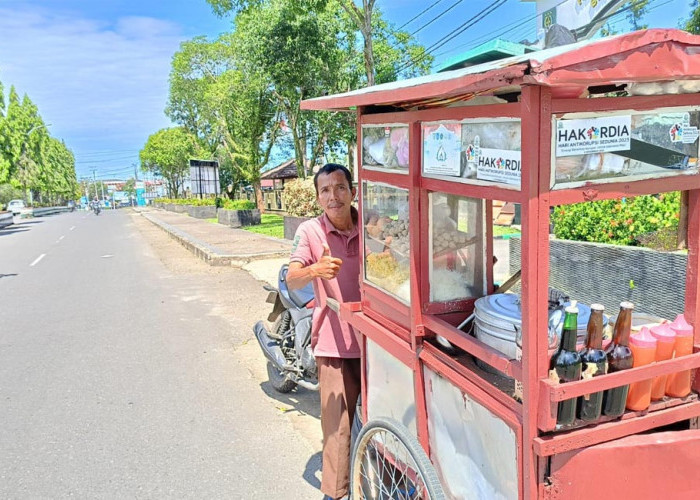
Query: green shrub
(238, 204)
(299, 198)
(619, 222)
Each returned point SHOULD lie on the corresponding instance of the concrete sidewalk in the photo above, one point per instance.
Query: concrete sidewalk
(220, 245)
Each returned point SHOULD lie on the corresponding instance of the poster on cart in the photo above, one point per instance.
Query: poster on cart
(441, 149)
(630, 145)
(488, 151)
(499, 165)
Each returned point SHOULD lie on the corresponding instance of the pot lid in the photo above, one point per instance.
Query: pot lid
(506, 307)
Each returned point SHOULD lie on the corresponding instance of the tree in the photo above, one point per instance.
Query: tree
(167, 153)
(637, 10)
(231, 112)
(692, 24)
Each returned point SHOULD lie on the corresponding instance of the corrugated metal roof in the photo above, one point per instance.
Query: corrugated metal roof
(647, 55)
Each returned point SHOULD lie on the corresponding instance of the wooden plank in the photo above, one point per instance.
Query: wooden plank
(474, 346)
(560, 392)
(613, 190)
(558, 443)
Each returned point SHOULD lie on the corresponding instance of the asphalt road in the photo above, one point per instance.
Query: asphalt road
(122, 377)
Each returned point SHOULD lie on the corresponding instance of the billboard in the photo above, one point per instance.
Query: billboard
(204, 177)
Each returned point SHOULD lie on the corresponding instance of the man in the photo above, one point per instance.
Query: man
(326, 251)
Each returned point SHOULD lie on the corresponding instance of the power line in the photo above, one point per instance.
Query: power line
(418, 15)
(106, 160)
(452, 34)
(438, 16)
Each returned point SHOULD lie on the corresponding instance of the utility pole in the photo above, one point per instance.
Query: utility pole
(94, 181)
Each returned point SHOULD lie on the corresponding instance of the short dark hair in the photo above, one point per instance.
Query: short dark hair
(329, 168)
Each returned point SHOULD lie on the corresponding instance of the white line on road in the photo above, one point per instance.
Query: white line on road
(60, 238)
(72, 228)
(36, 261)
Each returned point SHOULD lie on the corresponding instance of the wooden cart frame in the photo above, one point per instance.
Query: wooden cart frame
(539, 79)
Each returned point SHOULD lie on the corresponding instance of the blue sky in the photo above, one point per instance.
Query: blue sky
(98, 69)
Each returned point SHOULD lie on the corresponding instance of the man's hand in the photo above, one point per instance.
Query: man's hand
(328, 266)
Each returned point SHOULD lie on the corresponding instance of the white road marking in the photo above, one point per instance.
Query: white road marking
(72, 228)
(107, 256)
(36, 261)
(60, 238)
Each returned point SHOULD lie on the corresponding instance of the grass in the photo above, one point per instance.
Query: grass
(213, 220)
(270, 225)
(504, 230)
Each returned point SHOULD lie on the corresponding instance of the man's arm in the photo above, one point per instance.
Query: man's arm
(327, 268)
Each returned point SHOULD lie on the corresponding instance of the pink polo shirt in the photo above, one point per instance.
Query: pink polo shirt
(330, 336)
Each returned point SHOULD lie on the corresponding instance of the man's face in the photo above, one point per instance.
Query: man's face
(334, 194)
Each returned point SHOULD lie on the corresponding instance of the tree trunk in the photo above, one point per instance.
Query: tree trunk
(259, 202)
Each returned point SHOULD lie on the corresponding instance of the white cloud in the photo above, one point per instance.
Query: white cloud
(101, 86)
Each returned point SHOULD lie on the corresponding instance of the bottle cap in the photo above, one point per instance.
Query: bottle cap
(663, 332)
(643, 339)
(572, 308)
(626, 305)
(681, 326)
(598, 307)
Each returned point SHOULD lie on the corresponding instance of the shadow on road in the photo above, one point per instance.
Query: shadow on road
(10, 230)
(313, 466)
(7, 275)
(301, 400)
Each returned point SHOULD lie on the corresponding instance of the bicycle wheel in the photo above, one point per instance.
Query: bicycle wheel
(389, 464)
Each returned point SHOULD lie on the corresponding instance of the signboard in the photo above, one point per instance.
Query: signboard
(583, 17)
(204, 177)
(499, 165)
(441, 149)
(594, 135)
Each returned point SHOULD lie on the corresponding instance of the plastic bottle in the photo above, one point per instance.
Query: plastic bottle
(620, 358)
(594, 363)
(643, 347)
(566, 364)
(678, 384)
(665, 337)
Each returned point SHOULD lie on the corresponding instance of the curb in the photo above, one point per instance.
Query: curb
(209, 253)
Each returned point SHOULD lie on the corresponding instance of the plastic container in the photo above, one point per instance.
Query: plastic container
(643, 347)
(678, 384)
(666, 338)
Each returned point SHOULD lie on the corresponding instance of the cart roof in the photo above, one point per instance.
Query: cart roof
(641, 56)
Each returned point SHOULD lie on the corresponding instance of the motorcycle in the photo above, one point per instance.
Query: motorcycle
(96, 208)
(287, 346)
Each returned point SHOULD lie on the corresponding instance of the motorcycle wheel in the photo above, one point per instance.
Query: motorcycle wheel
(279, 380)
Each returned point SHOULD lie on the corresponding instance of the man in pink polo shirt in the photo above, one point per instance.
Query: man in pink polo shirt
(326, 251)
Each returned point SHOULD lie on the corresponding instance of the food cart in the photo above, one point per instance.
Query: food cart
(560, 126)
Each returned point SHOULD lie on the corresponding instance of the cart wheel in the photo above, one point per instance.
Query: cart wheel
(389, 464)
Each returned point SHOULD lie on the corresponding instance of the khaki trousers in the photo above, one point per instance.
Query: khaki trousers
(339, 387)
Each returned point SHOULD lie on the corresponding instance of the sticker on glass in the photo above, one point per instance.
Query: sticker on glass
(593, 135)
(441, 149)
(499, 165)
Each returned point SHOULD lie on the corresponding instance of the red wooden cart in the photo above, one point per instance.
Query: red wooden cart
(561, 126)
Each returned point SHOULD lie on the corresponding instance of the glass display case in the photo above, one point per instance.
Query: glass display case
(456, 247)
(385, 147)
(386, 237)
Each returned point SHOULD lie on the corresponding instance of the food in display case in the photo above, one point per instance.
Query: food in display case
(456, 242)
(385, 146)
(386, 241)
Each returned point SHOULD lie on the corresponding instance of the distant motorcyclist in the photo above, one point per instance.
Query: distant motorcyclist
(95, 205)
